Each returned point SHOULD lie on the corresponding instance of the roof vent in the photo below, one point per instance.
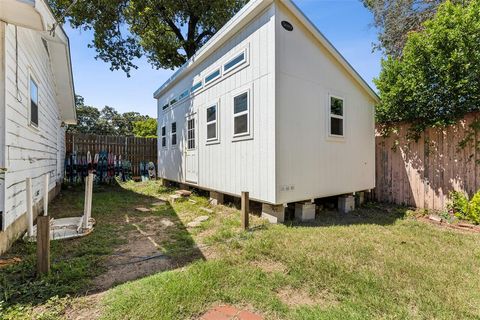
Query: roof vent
(287, 25)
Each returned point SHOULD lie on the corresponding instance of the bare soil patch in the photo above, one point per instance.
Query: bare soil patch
(299, 297)
(270, 266)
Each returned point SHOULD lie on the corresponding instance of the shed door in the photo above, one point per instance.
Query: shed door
(191, 152)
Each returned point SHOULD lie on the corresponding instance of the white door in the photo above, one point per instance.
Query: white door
(191, 152)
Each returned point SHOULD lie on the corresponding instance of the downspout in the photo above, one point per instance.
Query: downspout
(18, 95)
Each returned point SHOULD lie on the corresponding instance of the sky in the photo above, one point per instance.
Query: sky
(345, 23)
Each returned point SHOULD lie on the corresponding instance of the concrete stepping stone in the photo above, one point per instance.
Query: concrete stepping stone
(197, 221)
(143, 209)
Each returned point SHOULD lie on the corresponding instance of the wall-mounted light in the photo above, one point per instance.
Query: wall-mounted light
(287, 25)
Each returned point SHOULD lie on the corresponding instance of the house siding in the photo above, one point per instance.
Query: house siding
(229, 166)
(307, 159)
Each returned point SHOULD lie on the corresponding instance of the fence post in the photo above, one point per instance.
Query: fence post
(43, 245)
(245, 210)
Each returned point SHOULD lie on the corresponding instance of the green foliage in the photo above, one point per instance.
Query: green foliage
(394, 19)
(167, 32)
(107, 121)
(436, 81)
(464, 209)
(146, 128)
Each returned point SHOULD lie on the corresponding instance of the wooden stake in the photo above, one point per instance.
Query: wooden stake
(43, 245)
(245, 210)
(29, 202)
(45, 196)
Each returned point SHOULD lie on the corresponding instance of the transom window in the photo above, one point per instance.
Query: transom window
(196, 86)
(212, 133)
(174, 133)
(191, 134)
(336, 116)
(173, 101)
(241, 114)
(236, 61)
(164, 137)
(212, 76)
(165, 107)
(33, 103)
(183, 95)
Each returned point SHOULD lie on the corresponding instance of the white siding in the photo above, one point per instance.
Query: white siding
(306, 158)
(2, 120)
(230, 167)
(30, 152)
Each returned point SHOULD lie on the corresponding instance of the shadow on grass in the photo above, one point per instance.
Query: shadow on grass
(371, 213)
(76, 263)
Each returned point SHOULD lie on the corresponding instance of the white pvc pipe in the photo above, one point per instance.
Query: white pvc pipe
(90, 196)
(85, 203)
(45, 196)
(28, 182)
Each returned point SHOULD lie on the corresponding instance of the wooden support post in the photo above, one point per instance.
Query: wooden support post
(29, 202)
(43, 245)
(45, 196)
(245, 209)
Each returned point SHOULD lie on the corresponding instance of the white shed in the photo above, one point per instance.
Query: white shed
(36, 101)
(268, 106)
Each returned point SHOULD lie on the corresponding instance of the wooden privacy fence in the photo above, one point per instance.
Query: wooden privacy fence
(422, 173)
(130, 148)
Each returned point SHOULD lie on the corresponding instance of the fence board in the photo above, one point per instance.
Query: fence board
(422, 173)
(130, 148)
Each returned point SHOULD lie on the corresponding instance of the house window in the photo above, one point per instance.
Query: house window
(191, 134)
(336, 116)
(33, 103)
(212, 76)
(165, 107)
(174, 133)
(164, 137)
(173, 101)
(196, 86)
(241, 114)
(238, 60)
(212, 133)
(183, 95)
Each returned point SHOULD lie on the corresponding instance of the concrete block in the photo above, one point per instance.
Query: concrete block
(273, 213)
(359, 198)
(216, 198)
(346, 203)
(305, 211)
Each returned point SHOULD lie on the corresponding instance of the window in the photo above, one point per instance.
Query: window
(33, 103)
(212, 133)
(174, 133)
(196, 86)
(212, 76)
(165, 107)
(241, 114)
(173, 101)
(336, 116)
(238, 60)
(191, 134)
(183, 95)
(164, 137)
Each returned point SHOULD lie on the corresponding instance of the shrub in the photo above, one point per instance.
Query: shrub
(464, 209)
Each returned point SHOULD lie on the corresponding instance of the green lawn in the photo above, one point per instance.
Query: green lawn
(373, 263)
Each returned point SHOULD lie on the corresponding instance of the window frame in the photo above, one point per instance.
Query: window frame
(249, 112)
(183, 95)
(215, 140)
(336, 137)
(173, 133)
(213, 80)
(240, 64)
(32, 78)
(163, 132)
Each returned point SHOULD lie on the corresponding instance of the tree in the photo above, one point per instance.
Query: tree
(146, 128)
(107, 121)
(396, 18)
(437, 80)
(167, 32)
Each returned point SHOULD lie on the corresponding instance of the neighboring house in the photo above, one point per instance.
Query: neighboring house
(36, 101)
(268, 106)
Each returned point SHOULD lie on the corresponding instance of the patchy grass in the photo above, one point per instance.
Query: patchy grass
(376, 262)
